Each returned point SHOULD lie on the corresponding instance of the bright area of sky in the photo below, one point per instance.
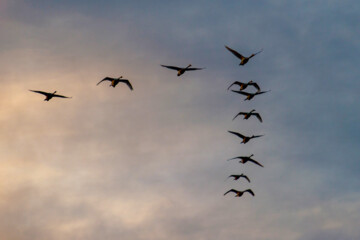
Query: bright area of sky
(111, 163)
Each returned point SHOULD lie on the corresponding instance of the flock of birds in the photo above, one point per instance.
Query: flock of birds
(244, 139)
(242, 86)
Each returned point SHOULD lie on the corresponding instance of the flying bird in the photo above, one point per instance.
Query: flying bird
(49, 95)
(245, 139)
(180, 70)
(245, 85)
(249, 96)
(236, 177)
(247, 115)
(243, 59)
(240, 193)
(245, 159)
(115, 81)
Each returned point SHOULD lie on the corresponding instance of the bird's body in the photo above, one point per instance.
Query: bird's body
(245, 159)
(247, 115)
(245, 139)
(181, 71)
(249, 96)
(240, 193)
(236, 177)
(115, 81)
(243, 85)
(48, 95)
(243, 59)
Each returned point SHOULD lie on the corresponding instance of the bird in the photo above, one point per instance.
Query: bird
(180, 70)
(115, 81)
(243, 59)
(49, 95)
(240, 193)
(249, 96)
(247, 115)
(236, 177)
(245, 85)
(245, 159)
(245, 138)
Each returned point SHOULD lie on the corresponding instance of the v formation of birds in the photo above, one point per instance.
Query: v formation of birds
(246, 115)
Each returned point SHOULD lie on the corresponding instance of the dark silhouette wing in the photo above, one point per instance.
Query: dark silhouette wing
(256, 136)
(235, 83)
(235, 53)
(232, 190)
(250, 191)
(242, 92)
(255, 85)
(60, 96)
(244, 176)
(105, 79)
(234, 176)
(252, 55)
(192, 69)
(240, 113)
(256, 162)
(41, 92)
(127, 82)
(258, 116)
(233, 158)
(257, 93)
(172, 67)
(237, 134)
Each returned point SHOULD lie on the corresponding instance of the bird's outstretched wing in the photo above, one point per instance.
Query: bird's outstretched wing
(60, 96)
(233, 158)
(250, 191)
(237, 134)
(192, 69)
(232, 190)
(235, 83)
(105, 79)
(256, 162)
(255, 85)
(242, 92)
(240, 113)
(235, 53)
(41, 92)
(234, 176)
(258, 116)
(246, 177)
(256, 53)
(257, 93)
(172, 67)
(256, 136)
(127, 82)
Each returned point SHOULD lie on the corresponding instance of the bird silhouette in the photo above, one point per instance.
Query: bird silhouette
(236, 177)
(49, 95)
(180, 70)
(115, 81)
(243, 59)
(245, 85)
(245, 159)
(247, 115)
(249, 96)
(240, 193)
(245, 139)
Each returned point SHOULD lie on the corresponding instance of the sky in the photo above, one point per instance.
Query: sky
(111, 163)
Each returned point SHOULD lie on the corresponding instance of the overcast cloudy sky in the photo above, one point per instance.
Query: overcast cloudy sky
(151, 163)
